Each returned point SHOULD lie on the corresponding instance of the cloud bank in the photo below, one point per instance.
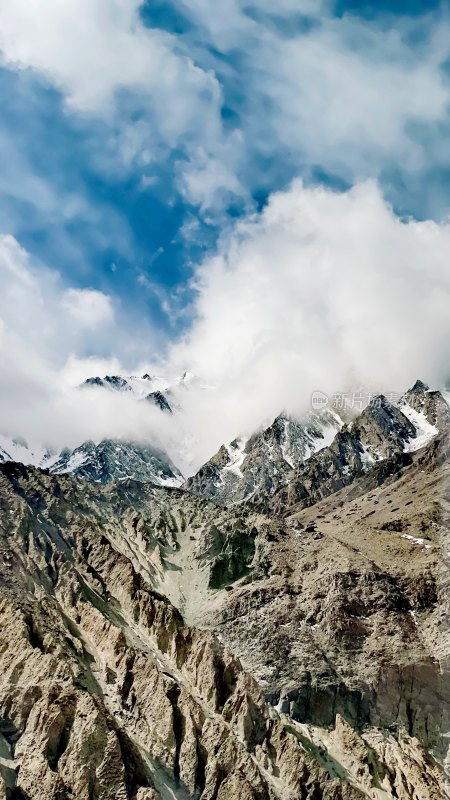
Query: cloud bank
(341, 94)
(47, 332)
(321, 290)
(141, 81)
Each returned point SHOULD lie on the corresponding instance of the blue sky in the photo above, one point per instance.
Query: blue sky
(134, 135)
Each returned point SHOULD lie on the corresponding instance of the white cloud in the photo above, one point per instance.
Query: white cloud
(92, 48)
(89, 308)
(351, 96)
(77, 369)
(322, 290)
(208, 180)
(96, 52)
(51, 339)
(325, 291)
(42, 316)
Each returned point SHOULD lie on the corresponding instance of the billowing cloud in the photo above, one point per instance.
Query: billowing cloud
(321, 291)
(351, 96)
(355, 97)
(93, 48)
(303, 90)
(45, 318)
(88, 308)
(108, 64)
(51, 338)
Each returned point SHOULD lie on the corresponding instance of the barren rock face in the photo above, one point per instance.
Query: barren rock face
(256, 467)
(155, 646)
(111, 460)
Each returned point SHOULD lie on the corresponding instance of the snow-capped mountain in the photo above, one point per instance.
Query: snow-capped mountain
(104, 461)
(19, 450)
(319, 448)
(427, 410)
(263, 461)
(160, 400)
(114, 460)
(379, 441)
(170, 395)
(139, 386)
(166, 393)
(290, 459)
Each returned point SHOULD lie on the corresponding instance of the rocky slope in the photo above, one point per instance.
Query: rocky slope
(108, 460)
(375, 445)
(263, 462)
(112, 460)
(293, 461)
(155, 645)
(106, 693)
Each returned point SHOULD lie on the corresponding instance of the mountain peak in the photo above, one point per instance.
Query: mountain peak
(419, 387)
(160, 400)
(112, 460)
(115, 382)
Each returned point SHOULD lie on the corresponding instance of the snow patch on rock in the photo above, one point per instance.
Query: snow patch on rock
(425, 431)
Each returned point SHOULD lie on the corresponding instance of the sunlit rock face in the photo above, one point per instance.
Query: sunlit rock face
(157, 644)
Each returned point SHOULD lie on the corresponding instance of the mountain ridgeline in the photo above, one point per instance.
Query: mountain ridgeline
(274, 627)
(294, 463)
